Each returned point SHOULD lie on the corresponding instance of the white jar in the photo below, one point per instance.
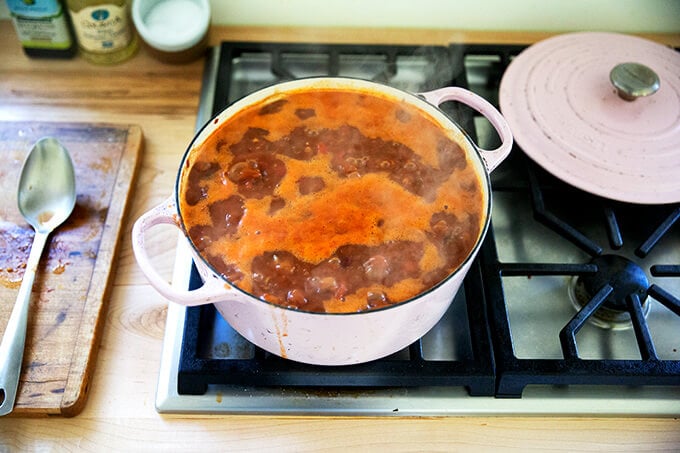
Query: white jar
(174, 31)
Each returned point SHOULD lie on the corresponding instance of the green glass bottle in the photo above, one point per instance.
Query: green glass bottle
(104, 30)
(43, 28)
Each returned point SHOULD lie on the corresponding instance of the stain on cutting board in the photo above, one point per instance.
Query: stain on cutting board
(71, 287)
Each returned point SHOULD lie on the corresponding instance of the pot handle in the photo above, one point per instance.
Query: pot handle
(492, 158)
(213, 289)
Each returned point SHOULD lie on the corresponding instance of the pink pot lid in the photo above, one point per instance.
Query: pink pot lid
(567, 116)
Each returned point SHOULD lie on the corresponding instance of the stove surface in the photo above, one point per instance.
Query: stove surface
(511, 342)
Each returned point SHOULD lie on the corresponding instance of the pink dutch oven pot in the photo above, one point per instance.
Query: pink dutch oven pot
(330, 338)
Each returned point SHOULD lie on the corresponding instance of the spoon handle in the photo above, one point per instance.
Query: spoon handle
(14, 338)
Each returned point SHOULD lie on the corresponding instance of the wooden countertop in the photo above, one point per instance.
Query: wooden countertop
(120, 414)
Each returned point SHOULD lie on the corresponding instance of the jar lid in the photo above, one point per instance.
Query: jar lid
(600, 111)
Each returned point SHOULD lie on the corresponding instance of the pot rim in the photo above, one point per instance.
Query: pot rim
(330, 81)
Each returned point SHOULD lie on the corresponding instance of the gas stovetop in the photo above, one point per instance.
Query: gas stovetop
(572, 306)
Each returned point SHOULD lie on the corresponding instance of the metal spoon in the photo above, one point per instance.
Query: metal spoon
(46, 197)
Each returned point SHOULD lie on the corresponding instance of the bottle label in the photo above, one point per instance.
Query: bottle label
(40, 24)
(102, 28)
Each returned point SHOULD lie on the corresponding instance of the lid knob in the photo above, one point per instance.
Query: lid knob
(634, 80)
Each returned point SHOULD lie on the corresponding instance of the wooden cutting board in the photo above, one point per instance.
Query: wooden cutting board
(71, 287)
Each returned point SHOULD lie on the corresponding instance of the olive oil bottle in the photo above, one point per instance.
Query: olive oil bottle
(104, 30)
(43, 28)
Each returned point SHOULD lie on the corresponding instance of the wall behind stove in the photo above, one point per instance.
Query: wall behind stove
(538, 15)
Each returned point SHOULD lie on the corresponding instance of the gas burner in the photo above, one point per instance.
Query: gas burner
(625, 277)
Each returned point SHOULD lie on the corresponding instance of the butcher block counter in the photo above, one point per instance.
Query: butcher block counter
(117, 409)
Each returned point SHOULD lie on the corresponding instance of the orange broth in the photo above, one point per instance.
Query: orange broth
(332, 200)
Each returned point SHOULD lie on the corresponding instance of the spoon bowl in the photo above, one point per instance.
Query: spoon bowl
(46, 198)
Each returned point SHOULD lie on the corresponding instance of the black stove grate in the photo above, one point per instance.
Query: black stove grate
(549, 195)
(473, 370)
(492, 366)
(548, 198)
(409, 368)
(289, 61)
